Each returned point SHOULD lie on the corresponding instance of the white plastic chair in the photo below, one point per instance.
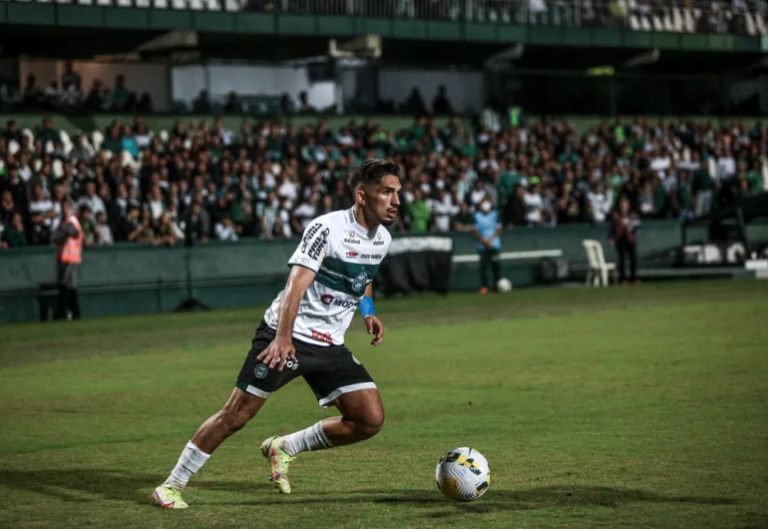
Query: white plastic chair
(58, 168)
(66, 141)
(97, 140)
(28, 133)
(598, 274)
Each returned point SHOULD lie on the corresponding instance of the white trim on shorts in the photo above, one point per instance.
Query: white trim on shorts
(333, 395)
(256, 391)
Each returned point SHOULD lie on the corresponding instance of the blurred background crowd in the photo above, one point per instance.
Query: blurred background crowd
(201, 181)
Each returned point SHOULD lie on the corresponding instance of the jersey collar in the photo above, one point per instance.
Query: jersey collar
(353, 221)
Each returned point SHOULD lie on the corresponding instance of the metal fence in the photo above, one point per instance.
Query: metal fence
(741, 17)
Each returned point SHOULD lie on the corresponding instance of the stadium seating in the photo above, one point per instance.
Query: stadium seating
(671, 17)
(272, 184)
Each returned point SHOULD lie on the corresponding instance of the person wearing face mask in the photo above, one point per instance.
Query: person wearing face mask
(487, 231)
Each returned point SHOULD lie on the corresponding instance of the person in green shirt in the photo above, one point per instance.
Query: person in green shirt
(419, 212)
(14, 235)
(754, 178)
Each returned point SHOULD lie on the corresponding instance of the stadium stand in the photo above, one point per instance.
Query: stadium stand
(746, 17)
(201, 181)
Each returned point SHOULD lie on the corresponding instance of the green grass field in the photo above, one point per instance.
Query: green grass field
(623, 407)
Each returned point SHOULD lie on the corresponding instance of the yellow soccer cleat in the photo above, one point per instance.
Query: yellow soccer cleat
(280, 461)
(169, 497)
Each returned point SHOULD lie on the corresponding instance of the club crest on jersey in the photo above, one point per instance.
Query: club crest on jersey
(261, 371)
(359, 284)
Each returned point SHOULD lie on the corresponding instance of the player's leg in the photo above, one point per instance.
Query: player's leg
(254, 384)
(239, 409)
(337, 379)
(362, 417)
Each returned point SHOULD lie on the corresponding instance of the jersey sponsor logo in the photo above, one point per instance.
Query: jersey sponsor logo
(352, 255)
(371, 256)
(316, 250)
(292, 364)
(351, 239)
(322, 336)
(308, 236)
(359, 283)
(329, 300)
(379, 239)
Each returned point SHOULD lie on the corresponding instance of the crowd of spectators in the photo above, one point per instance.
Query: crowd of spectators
(69, 95)
(201, 181)
(710, 16)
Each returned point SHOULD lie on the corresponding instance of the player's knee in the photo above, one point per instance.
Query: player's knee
(371, 424)
(233, 419)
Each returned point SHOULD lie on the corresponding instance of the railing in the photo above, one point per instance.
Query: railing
(741, 17)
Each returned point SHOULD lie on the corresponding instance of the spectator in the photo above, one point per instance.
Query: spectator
(533, 206)
(268, 179)
(102, 230)
(226, 230)
(11, 133)
(70, 78)
(622, 236)
(167, 232)
(143, 231)
(69, 241)
(119, 96)
(487, 230)
(41, 215)
(32, 95)
(91, 200)
(195, 226)
(7, 208)
(419, 213)
(14, 235)
(441, 105)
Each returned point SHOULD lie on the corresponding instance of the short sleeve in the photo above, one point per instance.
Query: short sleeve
(312, 248)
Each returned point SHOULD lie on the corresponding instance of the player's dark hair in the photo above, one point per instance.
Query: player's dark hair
(370, 172)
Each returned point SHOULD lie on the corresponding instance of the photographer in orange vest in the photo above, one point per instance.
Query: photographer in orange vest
(69, 242)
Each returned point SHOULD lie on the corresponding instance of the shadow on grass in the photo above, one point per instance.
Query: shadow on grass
(73, 485)
(76, 485)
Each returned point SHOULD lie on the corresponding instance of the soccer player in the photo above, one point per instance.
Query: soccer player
(302, 334)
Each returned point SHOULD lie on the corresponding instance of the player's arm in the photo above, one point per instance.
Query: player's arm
(372, 323)
(281, 349)
(305, 262)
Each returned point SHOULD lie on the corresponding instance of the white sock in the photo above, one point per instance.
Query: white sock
(313, 438)
(191, 460)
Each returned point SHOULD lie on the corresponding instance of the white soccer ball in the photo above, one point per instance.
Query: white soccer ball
(504, 285)
(462, 474)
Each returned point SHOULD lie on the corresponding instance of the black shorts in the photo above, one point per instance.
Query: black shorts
(329, 370)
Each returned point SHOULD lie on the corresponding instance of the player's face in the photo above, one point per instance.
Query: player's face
(383, 200)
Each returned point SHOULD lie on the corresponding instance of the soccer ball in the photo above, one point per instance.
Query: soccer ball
(462, 474)
(504, 285)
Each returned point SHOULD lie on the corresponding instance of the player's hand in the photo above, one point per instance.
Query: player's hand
(278, 353)
(374, 326)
